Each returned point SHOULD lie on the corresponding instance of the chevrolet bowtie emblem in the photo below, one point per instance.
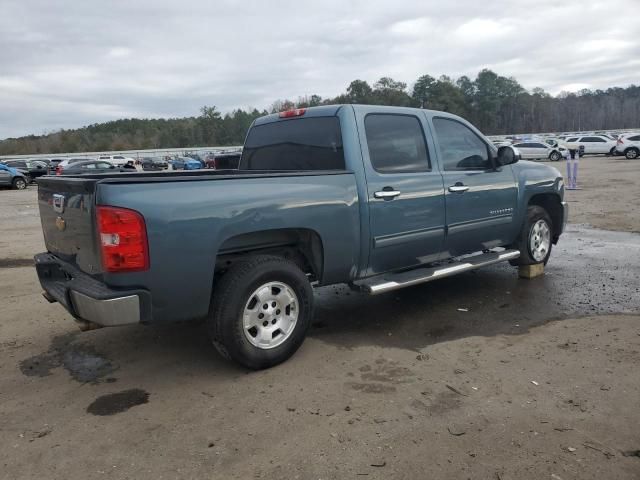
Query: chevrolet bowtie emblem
(61, 224)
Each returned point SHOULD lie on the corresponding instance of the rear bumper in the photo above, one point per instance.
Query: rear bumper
(88, 299)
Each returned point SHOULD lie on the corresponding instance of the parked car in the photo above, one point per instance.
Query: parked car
(153, 164)
(332, 194)
(541, 151)
(91, 167)
(593, 144)
(117, 160)
(31, 168)
(53, 163)
(197, 158)
(185, 163)
(629, 145)
(11, 177)
(223, 161)
(67, 162)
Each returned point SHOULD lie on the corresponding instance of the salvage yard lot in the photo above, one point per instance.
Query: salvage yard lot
(477, 376)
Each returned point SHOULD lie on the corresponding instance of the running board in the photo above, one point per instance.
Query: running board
(393, 281)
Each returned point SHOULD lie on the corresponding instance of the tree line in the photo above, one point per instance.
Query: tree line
(494, 103)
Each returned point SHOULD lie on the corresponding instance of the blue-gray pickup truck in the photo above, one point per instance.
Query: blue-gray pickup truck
(376, 197)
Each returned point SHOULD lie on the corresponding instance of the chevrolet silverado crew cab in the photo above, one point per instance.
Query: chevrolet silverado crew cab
(376, 197)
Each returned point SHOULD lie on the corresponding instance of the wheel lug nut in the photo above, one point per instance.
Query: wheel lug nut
(261, 315)
(265, 323)
(273, 304)
(277, 312)
(265, 306)
(273, 322)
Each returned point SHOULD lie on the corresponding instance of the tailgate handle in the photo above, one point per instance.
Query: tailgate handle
(58, 203)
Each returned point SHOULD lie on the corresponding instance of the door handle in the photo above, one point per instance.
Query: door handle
(387, 194)
(458, 188)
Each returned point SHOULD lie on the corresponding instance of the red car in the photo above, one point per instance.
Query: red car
(223, 161)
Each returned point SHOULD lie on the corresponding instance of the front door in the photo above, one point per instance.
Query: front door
(405, 193)
(480, 199)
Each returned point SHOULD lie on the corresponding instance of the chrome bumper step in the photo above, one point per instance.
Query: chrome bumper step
(393, 281)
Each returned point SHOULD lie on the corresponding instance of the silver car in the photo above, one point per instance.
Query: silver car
(541, 151)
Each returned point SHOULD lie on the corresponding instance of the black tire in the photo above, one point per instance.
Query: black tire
(19, 183)
(555, 156)
(631, 153)
(232, 293)
(522, 243)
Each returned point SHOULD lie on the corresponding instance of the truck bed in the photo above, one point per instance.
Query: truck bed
(192, 216)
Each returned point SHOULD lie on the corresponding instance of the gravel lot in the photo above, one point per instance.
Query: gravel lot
(480, 376)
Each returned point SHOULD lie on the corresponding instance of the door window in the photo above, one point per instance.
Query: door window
(460, 147)
(396, 143)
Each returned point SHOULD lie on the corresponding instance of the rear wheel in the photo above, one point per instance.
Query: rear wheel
(555, 156)
(535, 239)
(632, 153)
(262, 309)
(19, 183)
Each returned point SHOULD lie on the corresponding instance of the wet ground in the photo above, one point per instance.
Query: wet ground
(482, 375)
(591, 271)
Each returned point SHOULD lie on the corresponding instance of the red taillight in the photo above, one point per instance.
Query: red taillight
(123, 239)
(294, 112)
(620, 141)
(58, 170)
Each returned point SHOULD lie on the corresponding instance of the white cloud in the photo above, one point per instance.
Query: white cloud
(119, 52)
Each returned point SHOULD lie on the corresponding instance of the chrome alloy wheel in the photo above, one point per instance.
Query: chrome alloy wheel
(539, 240)
(270, 315)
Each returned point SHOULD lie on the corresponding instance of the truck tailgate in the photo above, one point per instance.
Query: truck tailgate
(67, 214)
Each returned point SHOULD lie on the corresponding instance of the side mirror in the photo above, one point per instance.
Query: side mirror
(507, 155)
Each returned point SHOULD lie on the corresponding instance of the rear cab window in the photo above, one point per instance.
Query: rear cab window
(313, 143)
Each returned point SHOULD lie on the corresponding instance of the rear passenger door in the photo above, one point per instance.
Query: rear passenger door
(480, 199)
(524, 149)
(405, 191)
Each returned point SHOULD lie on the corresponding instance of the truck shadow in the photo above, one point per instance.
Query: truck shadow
(591, 272)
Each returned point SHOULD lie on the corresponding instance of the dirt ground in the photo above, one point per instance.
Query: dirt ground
(479, 376)
(610, 193)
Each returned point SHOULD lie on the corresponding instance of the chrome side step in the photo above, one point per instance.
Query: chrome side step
(393, 281)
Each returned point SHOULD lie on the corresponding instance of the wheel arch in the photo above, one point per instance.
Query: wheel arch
(552, 204)
(302, 245)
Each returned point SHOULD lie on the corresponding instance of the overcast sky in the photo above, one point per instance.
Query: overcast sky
(66, 64)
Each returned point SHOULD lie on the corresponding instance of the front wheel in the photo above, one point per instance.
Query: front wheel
(632, 153)
(19, 183)
(555, 156)
(535, 239)
(262, 309)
